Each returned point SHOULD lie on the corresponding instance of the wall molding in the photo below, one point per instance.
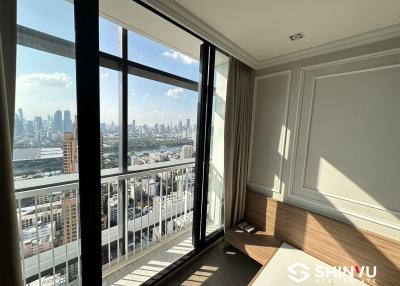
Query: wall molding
(334, 46)
(257, 186)
(320, 207)
(393, 211)
(296, 196)
(352, 59)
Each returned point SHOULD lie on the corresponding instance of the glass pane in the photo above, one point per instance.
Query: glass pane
(161, 120)
(45, 141)
(215, 207)
(54, 17)
(110, 37)
(151, 53)
(109, 117)
(46, 147)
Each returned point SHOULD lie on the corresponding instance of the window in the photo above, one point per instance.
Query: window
(148, 122)
(110, 37)
(162, 122)
(109, 117)
(157, 88)
(215, 197)
(46, 143)
(148, 52)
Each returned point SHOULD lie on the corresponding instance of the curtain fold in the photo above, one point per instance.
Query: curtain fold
(10, 264)
(238, 116)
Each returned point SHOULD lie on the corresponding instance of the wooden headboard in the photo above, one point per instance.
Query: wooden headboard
(332, 241)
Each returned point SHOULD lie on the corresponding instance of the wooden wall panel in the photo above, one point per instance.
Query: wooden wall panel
(334, 242)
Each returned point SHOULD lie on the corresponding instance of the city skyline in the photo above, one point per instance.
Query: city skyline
(60, 126)
(46, 82)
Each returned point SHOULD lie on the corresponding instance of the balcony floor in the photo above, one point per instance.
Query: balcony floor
(144, 268)
(155, 260)
(217, 267)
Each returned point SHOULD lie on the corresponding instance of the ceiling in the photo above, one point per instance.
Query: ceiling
(259, 29)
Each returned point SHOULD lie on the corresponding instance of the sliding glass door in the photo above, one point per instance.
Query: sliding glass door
(149, 90)
(159, 126)
(215, 192)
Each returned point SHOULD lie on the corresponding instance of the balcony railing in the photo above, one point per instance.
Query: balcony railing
(139, 210)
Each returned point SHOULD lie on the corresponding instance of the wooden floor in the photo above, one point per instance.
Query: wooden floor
(217, 267)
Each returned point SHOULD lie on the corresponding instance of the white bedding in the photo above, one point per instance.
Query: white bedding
(291, 266)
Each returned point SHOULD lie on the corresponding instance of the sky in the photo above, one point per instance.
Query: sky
(46, 82)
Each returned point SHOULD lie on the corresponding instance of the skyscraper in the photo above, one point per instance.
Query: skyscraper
(194, 138)
(76, 128)
(133, 126)
(101, 150)
(70, 222)
(187, 123)
(21, 114)
(187, 151)
(38, 123)
(58, 122)
(67, 121)
(70, 154)
(29, 127)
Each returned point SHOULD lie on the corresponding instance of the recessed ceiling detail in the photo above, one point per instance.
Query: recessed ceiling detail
(296, 36)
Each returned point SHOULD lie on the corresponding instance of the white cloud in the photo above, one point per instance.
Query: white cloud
(176, 93)
(45, 79)
(178, 56)
(40, 94)
(146, 95)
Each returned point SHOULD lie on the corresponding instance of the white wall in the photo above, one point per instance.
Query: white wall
(326, 136)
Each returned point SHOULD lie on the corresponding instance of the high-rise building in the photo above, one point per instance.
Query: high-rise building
(20, 114)
(67, 121)
(70, 154)
(29, 127)
(133, 126)
(101, 150)
(194, 135)
(187, 151)
(187, 123)
(38, 123)
(70, 225)
(76, 129)
(18, 126)
(58, 122)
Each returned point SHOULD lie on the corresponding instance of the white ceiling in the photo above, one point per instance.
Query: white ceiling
(260, 28)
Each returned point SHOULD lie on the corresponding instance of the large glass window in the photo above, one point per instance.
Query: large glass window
(110, 37)
(157, 87)
(148, 52)
(46, 144)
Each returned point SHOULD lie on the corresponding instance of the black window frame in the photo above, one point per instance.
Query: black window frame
(89, 59)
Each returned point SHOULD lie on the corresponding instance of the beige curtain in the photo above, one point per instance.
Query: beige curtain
(10, 264)
(238, 116)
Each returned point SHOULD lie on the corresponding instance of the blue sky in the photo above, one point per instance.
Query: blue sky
(46, 82)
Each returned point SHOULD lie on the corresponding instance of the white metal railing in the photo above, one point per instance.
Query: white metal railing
(138, 210)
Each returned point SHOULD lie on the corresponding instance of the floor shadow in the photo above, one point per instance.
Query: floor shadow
(218, 266)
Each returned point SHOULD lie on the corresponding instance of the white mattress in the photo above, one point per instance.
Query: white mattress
(291, 266)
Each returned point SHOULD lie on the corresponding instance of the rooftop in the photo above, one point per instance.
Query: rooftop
(37, 154)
